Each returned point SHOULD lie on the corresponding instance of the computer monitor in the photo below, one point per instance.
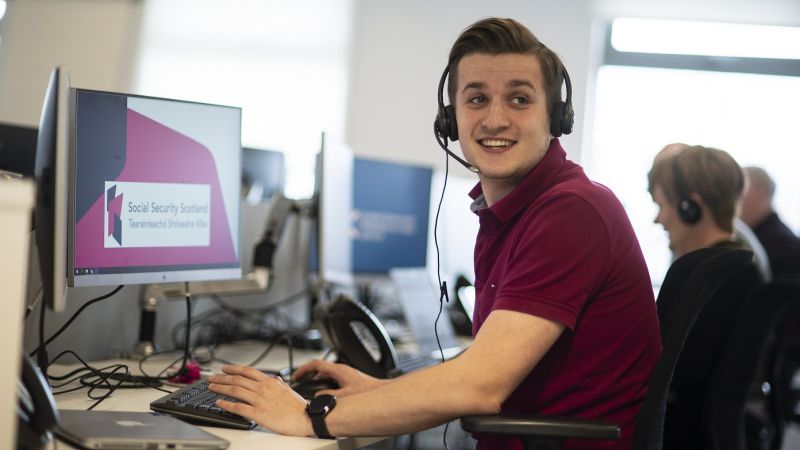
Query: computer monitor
(263, 174)
(50, 212)
(18, 149)
(154, 190)
(391, 204)
(331, 247)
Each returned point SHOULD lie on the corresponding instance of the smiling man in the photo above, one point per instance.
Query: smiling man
(565, 320)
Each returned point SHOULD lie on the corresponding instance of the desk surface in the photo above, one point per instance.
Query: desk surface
(244, 353)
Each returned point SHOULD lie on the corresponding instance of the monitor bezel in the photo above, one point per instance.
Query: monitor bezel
(157, 275)
(51, 174)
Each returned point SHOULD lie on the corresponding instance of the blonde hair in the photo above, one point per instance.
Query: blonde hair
(710, 173)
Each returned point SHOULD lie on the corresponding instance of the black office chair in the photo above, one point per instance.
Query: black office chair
(742, 365)
(783, 360)
(701, 355)
(689, 283)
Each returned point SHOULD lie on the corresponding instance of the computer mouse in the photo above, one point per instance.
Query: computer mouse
(307, 386)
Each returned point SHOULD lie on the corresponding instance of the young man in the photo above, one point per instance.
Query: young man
(565, 321)
(781, 244)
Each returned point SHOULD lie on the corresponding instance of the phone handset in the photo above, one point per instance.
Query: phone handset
(36, 408)
(357, 336)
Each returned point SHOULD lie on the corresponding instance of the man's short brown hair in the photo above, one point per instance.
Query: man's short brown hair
(710, 173)
(495, 36)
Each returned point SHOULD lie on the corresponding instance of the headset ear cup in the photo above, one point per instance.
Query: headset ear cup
(689, 211)
(442, 127)
(556, 116)
(451, 122)
(446, 125)
(567, 120)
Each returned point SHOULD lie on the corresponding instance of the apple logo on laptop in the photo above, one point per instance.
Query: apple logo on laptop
(132, 423)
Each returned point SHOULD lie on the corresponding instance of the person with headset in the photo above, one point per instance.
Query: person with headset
(565, 321)
(687, 230)
(697, 190)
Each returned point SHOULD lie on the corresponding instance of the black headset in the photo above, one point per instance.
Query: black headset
(562, 116)
(688, 210)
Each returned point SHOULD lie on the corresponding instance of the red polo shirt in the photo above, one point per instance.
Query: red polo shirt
(561, 247)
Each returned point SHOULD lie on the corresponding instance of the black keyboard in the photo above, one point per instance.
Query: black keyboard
(410, 361)
(196, 403)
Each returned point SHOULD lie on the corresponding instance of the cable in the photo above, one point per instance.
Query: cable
(42, 345)
(94, 379)
(228, 324)
(187, 294)
(443, 296)
(187, 338)
(41, 351)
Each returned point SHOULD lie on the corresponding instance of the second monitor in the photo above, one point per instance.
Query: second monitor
(391, 204)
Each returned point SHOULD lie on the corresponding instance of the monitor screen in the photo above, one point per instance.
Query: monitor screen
(154, 190)
(17, 149)
(263, 174)
(391, 204)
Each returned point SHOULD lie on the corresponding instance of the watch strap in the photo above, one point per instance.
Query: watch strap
(317, 408)
(320, 428)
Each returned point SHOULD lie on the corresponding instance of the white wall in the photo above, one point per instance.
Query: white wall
(96, 40)
(401, 48)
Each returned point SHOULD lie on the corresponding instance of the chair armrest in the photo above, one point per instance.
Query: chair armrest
(545, 426)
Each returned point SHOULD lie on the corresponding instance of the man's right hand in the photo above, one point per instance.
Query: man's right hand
(350, 380)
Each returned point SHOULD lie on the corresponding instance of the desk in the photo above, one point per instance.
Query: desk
(242, 353)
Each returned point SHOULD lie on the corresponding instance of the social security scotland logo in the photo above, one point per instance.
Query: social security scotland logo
(114, 211)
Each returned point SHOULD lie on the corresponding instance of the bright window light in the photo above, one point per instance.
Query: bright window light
(2, 9)
(705, 38)
(284, 65)
(715, 109)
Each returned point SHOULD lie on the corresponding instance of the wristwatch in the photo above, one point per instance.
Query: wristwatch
(317, 408)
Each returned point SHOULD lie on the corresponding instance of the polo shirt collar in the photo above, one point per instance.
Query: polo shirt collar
(534, 183)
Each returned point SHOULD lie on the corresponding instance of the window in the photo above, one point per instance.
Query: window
(745, 106)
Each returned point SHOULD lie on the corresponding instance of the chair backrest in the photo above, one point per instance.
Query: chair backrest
(744, 359)
(785, 362)
(690, 282)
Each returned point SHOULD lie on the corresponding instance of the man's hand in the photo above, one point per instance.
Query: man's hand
(350, 380)
(262, 398)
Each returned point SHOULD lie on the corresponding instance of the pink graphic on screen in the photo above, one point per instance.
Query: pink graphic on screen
(157, 154)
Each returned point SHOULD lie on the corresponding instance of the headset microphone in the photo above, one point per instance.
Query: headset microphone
(443, 144)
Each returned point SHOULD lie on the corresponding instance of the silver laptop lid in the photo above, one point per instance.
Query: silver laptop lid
(133, 430)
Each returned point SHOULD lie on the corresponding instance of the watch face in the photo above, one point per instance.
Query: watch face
(321, 404)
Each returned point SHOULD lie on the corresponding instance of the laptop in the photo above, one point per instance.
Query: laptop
(120, 430)
(419, 299)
